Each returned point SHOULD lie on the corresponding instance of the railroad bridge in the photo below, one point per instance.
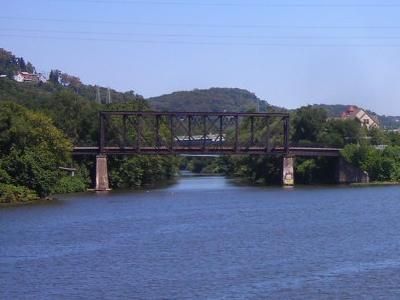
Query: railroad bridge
(203, 133)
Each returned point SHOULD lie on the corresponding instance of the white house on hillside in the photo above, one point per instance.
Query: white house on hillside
(28, 77)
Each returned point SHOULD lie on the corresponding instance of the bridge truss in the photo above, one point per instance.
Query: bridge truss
(165, 133)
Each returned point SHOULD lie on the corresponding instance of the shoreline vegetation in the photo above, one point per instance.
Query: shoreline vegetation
(375, 183)
(40, 123)
(237, 181)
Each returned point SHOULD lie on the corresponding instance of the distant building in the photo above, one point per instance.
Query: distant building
(42, 77)
(397, 130)
(26, 77)
(366, 120)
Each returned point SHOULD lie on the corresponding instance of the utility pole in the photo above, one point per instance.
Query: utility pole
(109, 101)
(98, 97)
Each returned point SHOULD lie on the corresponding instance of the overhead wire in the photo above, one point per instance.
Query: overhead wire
(212, 36)
(270, 4)
(199, 43)
(199, 25)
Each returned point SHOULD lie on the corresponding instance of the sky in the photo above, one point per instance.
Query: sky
(289, 53)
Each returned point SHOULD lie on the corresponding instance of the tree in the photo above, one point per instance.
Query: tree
(339, 133)
(30, 68)
(55, 76)
(307, 124)
(22, 64)
(32, 149)
(69, 80)
(381, 165)
(9, 64)
(378, 137)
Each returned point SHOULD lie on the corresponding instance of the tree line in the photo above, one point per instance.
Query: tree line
(375, 151)
(38, 126)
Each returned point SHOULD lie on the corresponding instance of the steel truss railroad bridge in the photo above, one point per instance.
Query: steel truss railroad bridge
(195, 133)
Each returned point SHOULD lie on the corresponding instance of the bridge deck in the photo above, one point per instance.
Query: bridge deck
(295, 151)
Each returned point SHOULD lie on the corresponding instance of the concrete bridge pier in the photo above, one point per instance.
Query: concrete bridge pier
(102, 184)
(347, 173)
(288, 171)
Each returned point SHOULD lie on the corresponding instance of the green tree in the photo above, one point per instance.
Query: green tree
(32, 149)
(307, 123)
(381, 165)
(22, 64)
(338, 133)
(54, 76)
(30, 68)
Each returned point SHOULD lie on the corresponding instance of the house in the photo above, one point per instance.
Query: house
(356, 113)
(42, 77)
(26, 77)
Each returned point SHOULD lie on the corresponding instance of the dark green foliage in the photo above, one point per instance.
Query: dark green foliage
(54, 76)
(14, 194)
(34, 169)
(30, 68)
(206, 165)
(317, 170)
(378, 137)
(72, 107)
(381, 165)
(31, 149)
(307, 123)
(68, 184)
(258, 169)
(137, 171)
(210, 100)
(22, 65)
(393, 138)
(338, 133)
(333, 111)
(311, 127)
(10, 64)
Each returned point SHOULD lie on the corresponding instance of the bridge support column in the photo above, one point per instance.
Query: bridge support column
(347, 173)
(102, 174)
(288, 171)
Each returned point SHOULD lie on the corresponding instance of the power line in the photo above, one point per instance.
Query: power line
(200, 25)
(212, 36)
(237, 4)
(200, 43)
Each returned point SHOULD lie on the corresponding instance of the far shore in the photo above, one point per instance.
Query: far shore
(376, 183)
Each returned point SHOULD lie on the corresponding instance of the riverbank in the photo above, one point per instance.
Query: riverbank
(26, 203)
(375, 183)
(237, 181)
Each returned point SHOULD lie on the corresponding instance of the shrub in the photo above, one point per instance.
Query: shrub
(70, 184)
(12, 194)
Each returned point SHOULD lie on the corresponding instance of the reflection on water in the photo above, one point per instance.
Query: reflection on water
(190, 182)
(204, 237)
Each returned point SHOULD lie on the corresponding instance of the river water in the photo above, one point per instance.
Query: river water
(205, 238)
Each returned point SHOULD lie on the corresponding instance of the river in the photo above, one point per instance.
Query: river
(205, 238)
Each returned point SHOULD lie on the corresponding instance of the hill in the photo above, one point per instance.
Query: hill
(210, 100)
(59, 81)
(71, 104)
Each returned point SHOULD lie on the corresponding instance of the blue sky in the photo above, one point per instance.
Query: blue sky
(290, 53)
